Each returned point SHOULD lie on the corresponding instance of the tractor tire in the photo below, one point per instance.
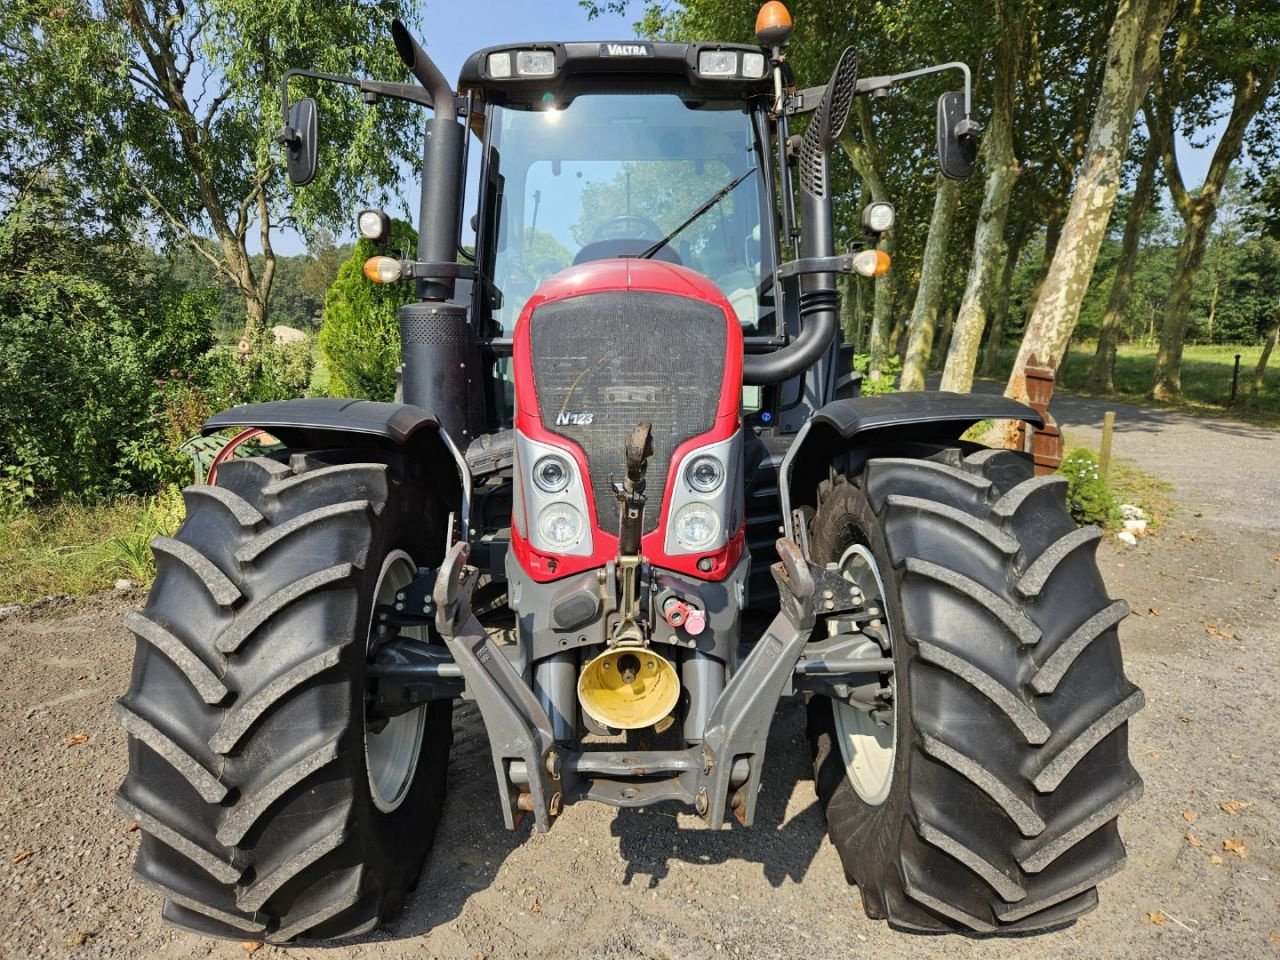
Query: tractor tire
(249, 771)
(1008, 760)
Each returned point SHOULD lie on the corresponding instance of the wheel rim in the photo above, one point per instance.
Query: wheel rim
(391, 755)
(869, 749)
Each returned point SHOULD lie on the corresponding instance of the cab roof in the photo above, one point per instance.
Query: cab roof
(608, 66)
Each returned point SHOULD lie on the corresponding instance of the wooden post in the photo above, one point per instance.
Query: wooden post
(1104, 456)
(1046, 443)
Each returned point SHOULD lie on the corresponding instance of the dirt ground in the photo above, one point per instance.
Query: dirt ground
(1204, 643)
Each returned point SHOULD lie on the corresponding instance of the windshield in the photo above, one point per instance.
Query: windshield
(613, 174)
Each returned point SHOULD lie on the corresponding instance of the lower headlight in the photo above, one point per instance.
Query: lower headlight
(560, 525)
(697, 526)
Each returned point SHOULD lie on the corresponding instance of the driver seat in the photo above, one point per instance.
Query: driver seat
(624, 247)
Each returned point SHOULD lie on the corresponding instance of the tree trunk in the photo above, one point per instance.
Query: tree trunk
(1261, 370)
(1133, 48)
(933, 276)
(948, 324)
(1199, 212)
(865, 156)
(1102, 373)
(1002, 174)
(995, 335)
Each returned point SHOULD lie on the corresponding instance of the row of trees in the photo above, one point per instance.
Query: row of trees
(1077, 100)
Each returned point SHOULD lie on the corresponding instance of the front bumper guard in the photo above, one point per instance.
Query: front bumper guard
(536, 776)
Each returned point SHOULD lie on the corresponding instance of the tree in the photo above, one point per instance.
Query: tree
(924, 315)
(1210, 54)
(1132, 57)
(1102, 371)
(1002, 173)
(182, 103)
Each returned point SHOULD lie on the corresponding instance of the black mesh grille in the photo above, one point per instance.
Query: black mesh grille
(621, 358)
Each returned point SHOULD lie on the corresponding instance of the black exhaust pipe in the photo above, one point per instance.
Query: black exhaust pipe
(819, 300)
(425, 70)
(437, 343)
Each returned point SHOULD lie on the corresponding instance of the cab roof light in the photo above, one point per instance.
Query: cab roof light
(535, 63)
(753, 65)
(718, 63)
(499, 65)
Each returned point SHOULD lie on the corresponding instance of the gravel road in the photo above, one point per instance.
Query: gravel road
(1204, 643)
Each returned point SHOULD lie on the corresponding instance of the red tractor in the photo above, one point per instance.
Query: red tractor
(628, 420)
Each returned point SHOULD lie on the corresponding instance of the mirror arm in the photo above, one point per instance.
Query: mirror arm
(370, 88)
(806, 100)
(881, 85)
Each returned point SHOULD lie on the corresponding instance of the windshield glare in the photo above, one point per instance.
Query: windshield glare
(612, 174)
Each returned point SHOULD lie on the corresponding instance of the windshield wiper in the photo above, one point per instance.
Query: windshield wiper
(707, 204)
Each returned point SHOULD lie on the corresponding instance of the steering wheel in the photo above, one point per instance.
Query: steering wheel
(616, 228)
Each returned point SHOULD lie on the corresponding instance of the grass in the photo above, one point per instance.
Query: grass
(1151, 493)
(79, 548)
(319, 386)
(1206, 379)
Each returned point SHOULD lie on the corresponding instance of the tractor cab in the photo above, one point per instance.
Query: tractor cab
(628, 149)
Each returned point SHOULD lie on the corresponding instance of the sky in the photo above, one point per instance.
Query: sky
(453, 29)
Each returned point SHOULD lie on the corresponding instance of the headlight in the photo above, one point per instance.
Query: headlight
(500, 65)
(753, 65)
(705, 474)
(373, 224)
(551, 474)
(560, 526)
(717, 63)
(535, 63)
(697, 526)
(878, 217)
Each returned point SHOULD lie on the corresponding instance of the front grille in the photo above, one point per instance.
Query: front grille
(620, 358)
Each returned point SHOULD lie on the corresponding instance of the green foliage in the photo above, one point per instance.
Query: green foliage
(129, 554)
(79, 347)
(184, 99)
(889, 371)
(77, 547)
(360, 338)
(1089, 497)
(270, 371)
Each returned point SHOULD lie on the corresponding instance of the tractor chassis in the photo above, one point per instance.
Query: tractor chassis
(538, 776)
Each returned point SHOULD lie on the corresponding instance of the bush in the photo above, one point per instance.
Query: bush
(271, 371)
(360, 337)
(1089, 497)
(88, 337)
(889, 372)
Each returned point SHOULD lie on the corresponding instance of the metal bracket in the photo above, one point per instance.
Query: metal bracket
(840, 263)
(738, 728)
(436, 270)
(519, 729)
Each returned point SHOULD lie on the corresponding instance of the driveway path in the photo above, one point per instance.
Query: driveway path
(1204, 642)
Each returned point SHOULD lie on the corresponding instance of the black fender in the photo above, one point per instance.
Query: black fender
(336, 423)
(914, 417)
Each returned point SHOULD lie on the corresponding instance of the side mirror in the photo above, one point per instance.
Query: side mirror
(301, 139)
(957, 137)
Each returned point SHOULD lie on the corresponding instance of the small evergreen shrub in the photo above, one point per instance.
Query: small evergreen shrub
(1089, 497)
(360, 337)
